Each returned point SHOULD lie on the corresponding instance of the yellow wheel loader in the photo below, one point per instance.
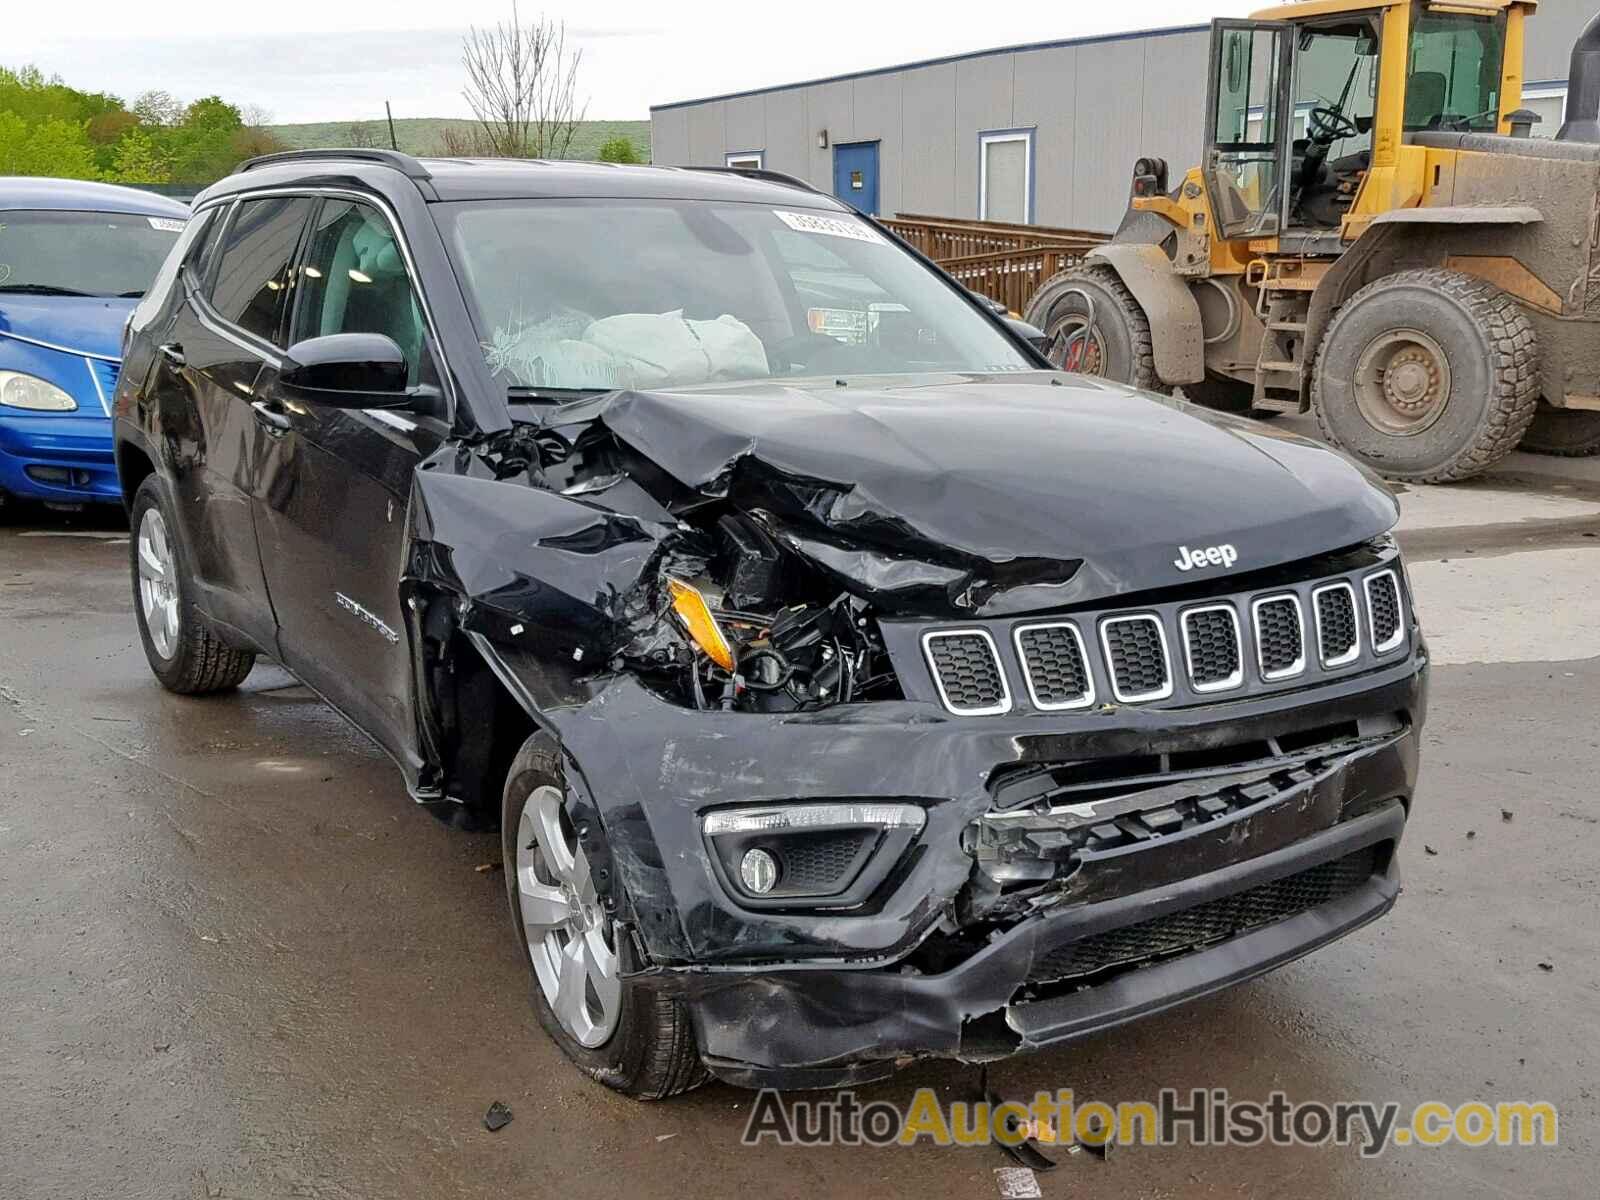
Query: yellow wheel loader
(1373, 235)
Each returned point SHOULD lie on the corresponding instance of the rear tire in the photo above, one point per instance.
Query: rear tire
(1120, 348)
(182, 651)
(1563, 432)
(1429, 376)
(633, 1039)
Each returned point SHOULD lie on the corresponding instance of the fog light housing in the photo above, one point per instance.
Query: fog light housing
(758, 871)
(816, 855)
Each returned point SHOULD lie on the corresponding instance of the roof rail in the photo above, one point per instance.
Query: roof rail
(762, 173)
(408, 166)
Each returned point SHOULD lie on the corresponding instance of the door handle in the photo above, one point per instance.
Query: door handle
(173, 353)
(276, 421)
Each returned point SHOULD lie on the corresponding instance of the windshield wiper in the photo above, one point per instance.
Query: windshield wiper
(518, 391)
(138, 295)
(41, 289)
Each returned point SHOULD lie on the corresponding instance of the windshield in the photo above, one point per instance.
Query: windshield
(52, 253)
(1454, 73)
(606, 294)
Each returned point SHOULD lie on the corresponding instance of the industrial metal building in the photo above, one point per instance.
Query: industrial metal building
(1043, 133)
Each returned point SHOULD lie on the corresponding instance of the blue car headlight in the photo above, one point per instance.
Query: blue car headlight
(29, 391)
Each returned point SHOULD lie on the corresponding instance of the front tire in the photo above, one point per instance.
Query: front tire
(182, 652)
(1116, 345)
(1563, 432)
(1428, 376)
(629, 1037)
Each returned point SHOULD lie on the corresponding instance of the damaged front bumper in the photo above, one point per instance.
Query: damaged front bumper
(1302, 852)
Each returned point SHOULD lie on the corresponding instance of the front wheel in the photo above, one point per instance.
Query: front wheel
(1563, 432)
(629, 1037)
(1428, 376)
(1094, 326)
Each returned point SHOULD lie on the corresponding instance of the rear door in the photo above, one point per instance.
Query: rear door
(228, 329)
(334, 484)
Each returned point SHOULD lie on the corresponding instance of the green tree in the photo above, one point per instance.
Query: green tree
(140, 160)
(619, 150)
(50, 148)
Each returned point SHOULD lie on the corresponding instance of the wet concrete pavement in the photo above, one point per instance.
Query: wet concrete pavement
(237, 962)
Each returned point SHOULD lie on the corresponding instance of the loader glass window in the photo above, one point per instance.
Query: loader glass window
(1335, 97)
(1245, 171)
(1453, 77)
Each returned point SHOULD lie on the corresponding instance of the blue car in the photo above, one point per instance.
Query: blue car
(75, 257)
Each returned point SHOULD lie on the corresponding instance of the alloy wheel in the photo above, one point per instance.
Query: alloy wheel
(571, 939)
(158, 583)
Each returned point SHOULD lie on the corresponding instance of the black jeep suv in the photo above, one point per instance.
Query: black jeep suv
(848, 685)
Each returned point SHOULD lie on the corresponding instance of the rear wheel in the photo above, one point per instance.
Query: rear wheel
(1094, 326)
(1564, 432)
(1427, 375)
(182, 652)
(625, 1035)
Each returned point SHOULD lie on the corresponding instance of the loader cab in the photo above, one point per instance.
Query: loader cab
(1299, 110)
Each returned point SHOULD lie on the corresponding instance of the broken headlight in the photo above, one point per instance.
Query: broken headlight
(767, 635)
(831, 855)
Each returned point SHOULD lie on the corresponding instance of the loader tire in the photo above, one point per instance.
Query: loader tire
(1120, 347)
(1563, 432)
(1427, 376)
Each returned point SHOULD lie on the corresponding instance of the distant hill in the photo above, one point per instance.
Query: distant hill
(424, 135)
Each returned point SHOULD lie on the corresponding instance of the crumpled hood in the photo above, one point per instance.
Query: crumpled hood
(1001, 494)
(79, 324)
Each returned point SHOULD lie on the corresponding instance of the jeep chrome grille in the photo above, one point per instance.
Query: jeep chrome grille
(1211, 648)
(1055, 665)
(1280, 636)
(966, 667)
(1136, 655)
(1188, 652)
(1338, 634)
(1383, 612)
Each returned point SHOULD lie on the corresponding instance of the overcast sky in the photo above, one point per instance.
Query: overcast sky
(335, 60)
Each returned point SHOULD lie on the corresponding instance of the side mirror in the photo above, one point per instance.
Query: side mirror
(348, 370)
(1031, 334)
(988, 302)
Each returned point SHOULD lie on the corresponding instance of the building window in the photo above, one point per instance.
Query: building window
(1549, 100)
(1005, 176)
(747, 160)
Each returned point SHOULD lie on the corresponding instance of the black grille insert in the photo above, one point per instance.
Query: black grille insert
(1338, 637)
(1136, 653)
(968, 671)
(1211, 641)
(1207, 923)
(1052, 656)
(1383, 610)
(1280, 644)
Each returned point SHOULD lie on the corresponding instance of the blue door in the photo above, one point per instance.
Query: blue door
(855, 175)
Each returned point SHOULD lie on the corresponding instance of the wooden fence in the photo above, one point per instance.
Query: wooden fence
(1003, 261)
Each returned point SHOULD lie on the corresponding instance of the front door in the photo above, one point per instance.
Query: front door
(334, 486)
(1247, 132)
(855, 176)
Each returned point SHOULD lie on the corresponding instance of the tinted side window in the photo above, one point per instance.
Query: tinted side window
(354, 281)
(253, 263)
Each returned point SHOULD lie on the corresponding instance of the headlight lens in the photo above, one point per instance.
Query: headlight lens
(29, 391)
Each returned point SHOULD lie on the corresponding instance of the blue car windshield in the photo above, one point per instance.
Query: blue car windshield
(624, 293)
(47, 252)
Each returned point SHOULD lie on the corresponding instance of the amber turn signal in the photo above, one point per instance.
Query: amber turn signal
(702, 627)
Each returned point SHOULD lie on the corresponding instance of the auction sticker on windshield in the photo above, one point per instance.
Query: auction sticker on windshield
(166, 224)
(842, 227)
